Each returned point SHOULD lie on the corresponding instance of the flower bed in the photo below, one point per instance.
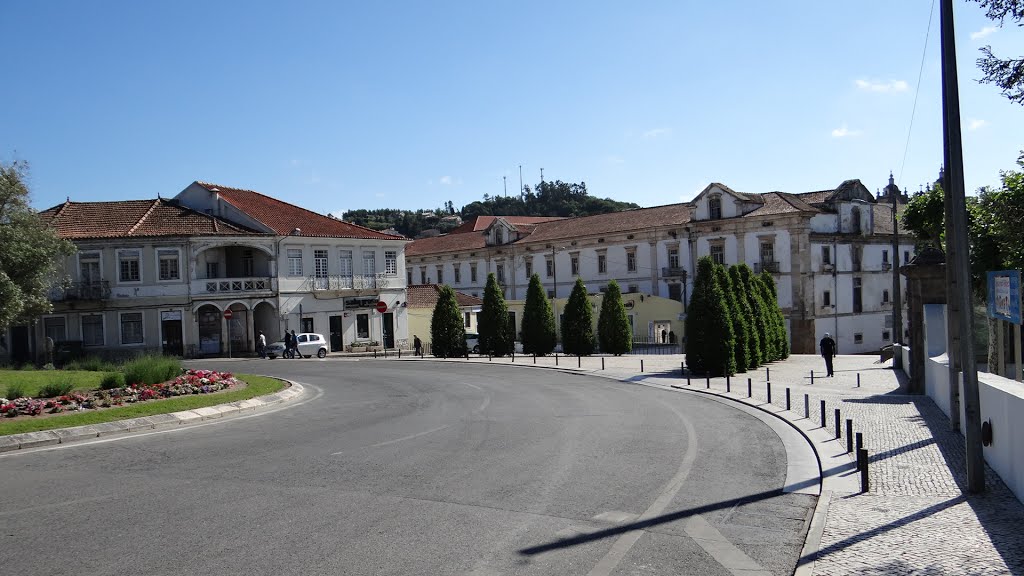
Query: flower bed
(189, 382)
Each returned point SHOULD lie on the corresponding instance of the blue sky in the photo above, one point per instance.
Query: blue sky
(343, 105)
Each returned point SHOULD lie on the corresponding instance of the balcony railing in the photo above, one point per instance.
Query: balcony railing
(673, 272)
(886, 266)
(771, 267)
(229, 285)
(366, 282)
(99, 290)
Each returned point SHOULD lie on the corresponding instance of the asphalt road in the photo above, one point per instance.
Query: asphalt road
(399, 467)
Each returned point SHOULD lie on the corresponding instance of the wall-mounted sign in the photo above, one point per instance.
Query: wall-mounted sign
(1004, 295)
(361, 302)
(628, 304)
(170, 315)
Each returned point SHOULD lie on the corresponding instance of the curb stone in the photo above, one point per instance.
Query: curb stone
(14, 442)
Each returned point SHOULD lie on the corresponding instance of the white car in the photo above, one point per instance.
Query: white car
(473, 342)
(309, 344)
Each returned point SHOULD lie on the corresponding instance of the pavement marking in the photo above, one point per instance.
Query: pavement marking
(724, 552)
(396, 440)
(181, 428)
(615, 517)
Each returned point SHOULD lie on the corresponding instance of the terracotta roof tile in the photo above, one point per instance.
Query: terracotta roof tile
(283, 218)
(446, 243)
(426, 295)
(780, 203)
(135, 218)
(480, 223)
(612, 222)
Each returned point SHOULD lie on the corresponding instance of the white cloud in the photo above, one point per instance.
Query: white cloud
(877, 86)
(983, 32)
(975, 123)
(657, 133)
(614, 160)
(446, 180)
(843, 132)
(379, 195)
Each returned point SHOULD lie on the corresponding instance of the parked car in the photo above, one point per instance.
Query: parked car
(473, 342)
(309, 344)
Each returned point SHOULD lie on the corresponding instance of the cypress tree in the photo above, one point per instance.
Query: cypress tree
(739, 329)
(757, 315)
(778, 320)
(578, 323)
(538, 320)
(613, 331)
(447, 332)
(495, 334)
(754, 358)
(710, 341)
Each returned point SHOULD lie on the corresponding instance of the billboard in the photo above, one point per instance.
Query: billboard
(1004, 295)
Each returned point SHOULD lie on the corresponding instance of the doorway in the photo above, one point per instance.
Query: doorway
(389, 329)
(20, 352)
(173, 344)
(209, 330)
(336, 340)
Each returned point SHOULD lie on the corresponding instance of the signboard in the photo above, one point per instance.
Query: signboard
(363, 302)
(382, 307)
(227, 314)
(170, 315)
(1004, 295)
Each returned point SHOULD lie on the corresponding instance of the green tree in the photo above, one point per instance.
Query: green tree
(778, 321)
(757, 309)
(538, 320)
(578, 322)
(496, 336)
(710, 341)
(1006, 73)
(613, 330)
(31, 254)
(925, 218)
(739, 328)
(755, 357)
(447, 332)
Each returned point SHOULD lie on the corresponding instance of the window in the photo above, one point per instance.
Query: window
(247, 265)
(906, 256)
(306, 325)
(551, 293)
(885, 336)
(423, 275)
(826, 255)
(458, 273)
(857, 306)
(574, 264)
(632, 289)
(885, 296)
(499, 235)
(363, 326)
(858, 338)
(128, 262)
(92, 330)
(345, 262)
(717, 254)
(549, 264)
(319, 265)
(213, 269)
(826, 298)
(391, 262)
(631, 260)
(89, 267)
(529, 268)
(767, 253)
(715, 208)
(469, 319)
(885, 256)
(408, 276)
(131, 328)
(602, 263)
(673, 257)
(54, 328)
(440, 274)
(295, 261)
(369, 262)
(499, 271)
(855, 220)
(675, 292)
(169, 264)
(472, 273)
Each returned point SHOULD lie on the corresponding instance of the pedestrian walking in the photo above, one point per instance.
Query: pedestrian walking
(828, 351)
(261, 345)
(295, 346)
(417, 344)
(287, 345)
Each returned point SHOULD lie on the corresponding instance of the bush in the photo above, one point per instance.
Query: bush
(112, 380)
(15, 390)
(54, 389)
(91, 364)
(151, 369)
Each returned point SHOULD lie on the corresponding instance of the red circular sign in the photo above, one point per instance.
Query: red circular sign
(381, 306)
(227, 314)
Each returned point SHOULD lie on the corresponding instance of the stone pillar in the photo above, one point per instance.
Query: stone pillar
(926, 284)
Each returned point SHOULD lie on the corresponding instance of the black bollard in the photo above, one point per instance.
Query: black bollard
(849, 435)
(602, 363)
(839, 425)
(374, 352)
(687, 379)
(641, 365)
(822, 413)
(807, 406)
(682, 369)
(728, 385)
(579, 362)
(399, 353)
(767, 373)
(858, 380)
(859, 444)
(535, 358)
(750, 389)
(707, 380)
(556, 358)
(769, 385)
(812, 377)
(862, 459)
(513, 357)
(787, 398)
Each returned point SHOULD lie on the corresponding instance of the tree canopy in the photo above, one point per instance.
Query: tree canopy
(31, 251)
(613, 331)
(578, 322)
(1006, 73)
(710, 339)
(496, 334)
(447, 332)
(538, 320)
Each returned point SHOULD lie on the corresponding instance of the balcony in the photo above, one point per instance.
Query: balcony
(232, 285)
(766, 266)
(342, 283)
(99, 290)
(673, 272)
(886, 266)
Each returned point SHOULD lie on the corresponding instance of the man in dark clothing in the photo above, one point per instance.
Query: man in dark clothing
(287, 345)
(417, 344)
(295, 346)
(828, 351)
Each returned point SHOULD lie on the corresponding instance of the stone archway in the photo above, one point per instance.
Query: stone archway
(265, 318)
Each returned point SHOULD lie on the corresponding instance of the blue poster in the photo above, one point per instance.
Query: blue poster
(1004, 295)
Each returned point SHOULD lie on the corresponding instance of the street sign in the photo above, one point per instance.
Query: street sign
(227, 314)
(381, 306)
(1004, 296)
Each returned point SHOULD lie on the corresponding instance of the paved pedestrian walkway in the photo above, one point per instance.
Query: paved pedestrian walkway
(916, 518)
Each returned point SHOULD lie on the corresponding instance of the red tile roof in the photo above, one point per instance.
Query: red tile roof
(780, 203)
(446, 243)
(426, 295)
(135, 218)
(283, 218)
(480, 223)
(612, 222)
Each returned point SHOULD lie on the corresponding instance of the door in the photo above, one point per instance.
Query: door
(172, 341)
(20, 352)
(389, 329)
(336, 341)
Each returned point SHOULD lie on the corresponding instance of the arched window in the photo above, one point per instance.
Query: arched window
(715, 208)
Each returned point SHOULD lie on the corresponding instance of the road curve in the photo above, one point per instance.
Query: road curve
(419, 468)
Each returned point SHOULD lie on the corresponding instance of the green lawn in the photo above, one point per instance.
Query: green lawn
(257, 386)
(33, 380)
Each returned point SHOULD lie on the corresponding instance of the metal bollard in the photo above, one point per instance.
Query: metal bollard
(858, 379)
(579, 361)
(769, 385)
(374, 352)
(839, 425)
(535, 358)
(750, 389)
(849, 435)
(513, 357)
(707, 378)
(687, 379)
(862, 459)
(641, 364)
(859, 444)
(822, 413)
(556, 358)
(602, 363)
(787, 398)
(728, 385)
(399, 353)
(812, 377)
(807, 406)
(767, 373)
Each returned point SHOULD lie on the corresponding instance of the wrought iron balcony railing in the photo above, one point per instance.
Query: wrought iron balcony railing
(98, 290)
(364, 282)
(767, 266)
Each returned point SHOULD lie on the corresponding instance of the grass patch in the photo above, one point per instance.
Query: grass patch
(91, 364)
(32, 382)
(257, 386)
(151, 369)
(60, 387)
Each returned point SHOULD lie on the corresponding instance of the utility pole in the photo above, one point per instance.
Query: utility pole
(520, 180)
(541, 174)
(956, 233)
(952, 309)
(897, 300)
(504, 186)
(554, 289)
